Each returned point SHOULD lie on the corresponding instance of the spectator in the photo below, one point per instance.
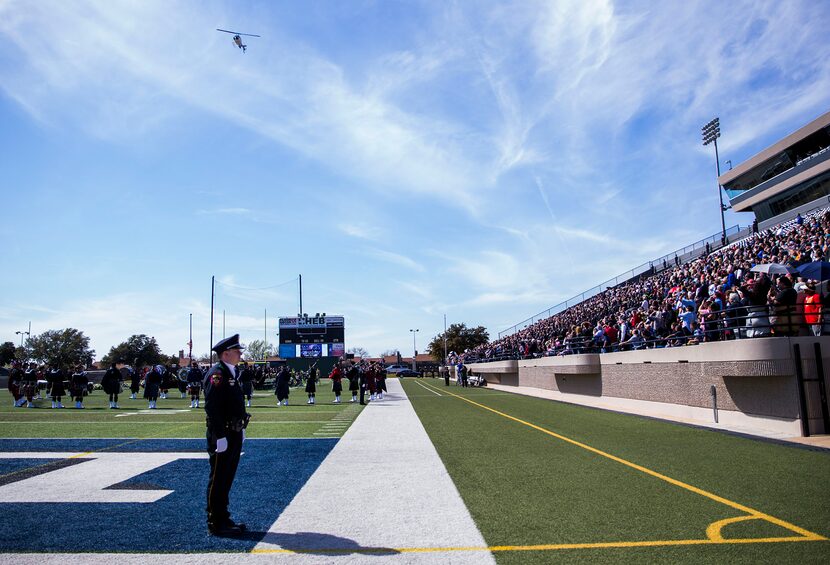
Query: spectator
(812, 309)
(784, 302)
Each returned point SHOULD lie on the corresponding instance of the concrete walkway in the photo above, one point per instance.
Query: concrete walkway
(381, 496)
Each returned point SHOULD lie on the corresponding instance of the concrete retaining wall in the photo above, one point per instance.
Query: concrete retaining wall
(754, 381)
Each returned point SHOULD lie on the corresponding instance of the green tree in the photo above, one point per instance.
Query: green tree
(138, 351)
(258, 350)
(65, 348)
(358, 352)
(7, 353)
(459, 337)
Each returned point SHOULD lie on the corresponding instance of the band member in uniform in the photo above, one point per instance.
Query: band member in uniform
(152, 385)
(353, 374)
(194, 385)
(79, 386)
(15, 380)
(30, 384)
(380, 383)
(311, 383)
(226, 423)
(135, 381)
(246, 378)
(168, 380)
(56, 386)
(336, 377)
(365, 376)
(111, 383)
(372, 382)
(281, 388)
(181, 382)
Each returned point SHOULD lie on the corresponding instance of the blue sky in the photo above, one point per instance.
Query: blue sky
(410, 159)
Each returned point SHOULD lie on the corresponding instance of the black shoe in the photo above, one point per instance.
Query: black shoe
(225, 530)
(231, 524)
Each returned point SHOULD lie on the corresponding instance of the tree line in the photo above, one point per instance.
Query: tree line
(69, 348)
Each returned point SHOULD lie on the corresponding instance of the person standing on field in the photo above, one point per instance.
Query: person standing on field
(226, 421)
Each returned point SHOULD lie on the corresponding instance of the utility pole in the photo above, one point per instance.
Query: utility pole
(212, 285)
(190, 343)
(414, 350)
(445, 339)
(301, 296)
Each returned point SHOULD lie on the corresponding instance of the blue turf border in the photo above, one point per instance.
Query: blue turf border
(271, 472)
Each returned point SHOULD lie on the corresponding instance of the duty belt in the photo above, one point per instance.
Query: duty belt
(235, 424)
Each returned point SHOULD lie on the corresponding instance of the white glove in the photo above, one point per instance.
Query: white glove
(221, 445)
(243, 435)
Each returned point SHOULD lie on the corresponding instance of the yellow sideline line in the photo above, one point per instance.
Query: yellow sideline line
(751, 511)
(539, 547)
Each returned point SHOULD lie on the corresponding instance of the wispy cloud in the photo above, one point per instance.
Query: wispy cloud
(360, 230)
(395, 259)
(225, 211)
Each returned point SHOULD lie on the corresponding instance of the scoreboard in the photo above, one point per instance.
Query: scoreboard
(318, 336)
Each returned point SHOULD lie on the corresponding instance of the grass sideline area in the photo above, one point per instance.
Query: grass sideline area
(174, 418)
(546, 481)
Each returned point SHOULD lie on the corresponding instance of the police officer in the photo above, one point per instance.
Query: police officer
(226, 422)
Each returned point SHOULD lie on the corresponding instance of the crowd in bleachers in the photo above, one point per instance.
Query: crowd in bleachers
(714, 297)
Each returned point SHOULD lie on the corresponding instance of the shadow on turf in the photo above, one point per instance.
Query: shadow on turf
(314, 543)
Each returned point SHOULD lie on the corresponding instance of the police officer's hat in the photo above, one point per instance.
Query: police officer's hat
(228, 343)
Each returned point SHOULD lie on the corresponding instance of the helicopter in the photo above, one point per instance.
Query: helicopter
(237, 38)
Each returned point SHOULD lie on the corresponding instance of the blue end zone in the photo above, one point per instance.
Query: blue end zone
(270, 474)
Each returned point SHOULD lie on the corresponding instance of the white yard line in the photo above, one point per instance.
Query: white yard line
(429, 389)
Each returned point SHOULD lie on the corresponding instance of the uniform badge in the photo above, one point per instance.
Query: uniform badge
(231, 382)
(216, 380)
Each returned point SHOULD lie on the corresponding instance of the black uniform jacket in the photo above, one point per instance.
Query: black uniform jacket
(224, 401)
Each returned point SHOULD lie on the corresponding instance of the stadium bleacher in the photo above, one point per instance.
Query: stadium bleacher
(714, 297)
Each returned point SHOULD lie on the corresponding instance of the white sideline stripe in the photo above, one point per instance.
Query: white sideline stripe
(413, 502)
(429, 389)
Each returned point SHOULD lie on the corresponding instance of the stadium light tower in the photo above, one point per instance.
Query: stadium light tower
(21, 334)
(414, 349)
(27, 334)
(711, 133)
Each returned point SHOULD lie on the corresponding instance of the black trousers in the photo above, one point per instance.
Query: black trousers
(363, 394)
(222, 472)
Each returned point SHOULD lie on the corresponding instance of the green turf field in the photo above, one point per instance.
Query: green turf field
(174, 418)
(547, 481)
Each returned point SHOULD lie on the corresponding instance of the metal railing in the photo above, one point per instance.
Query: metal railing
(667, 261)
